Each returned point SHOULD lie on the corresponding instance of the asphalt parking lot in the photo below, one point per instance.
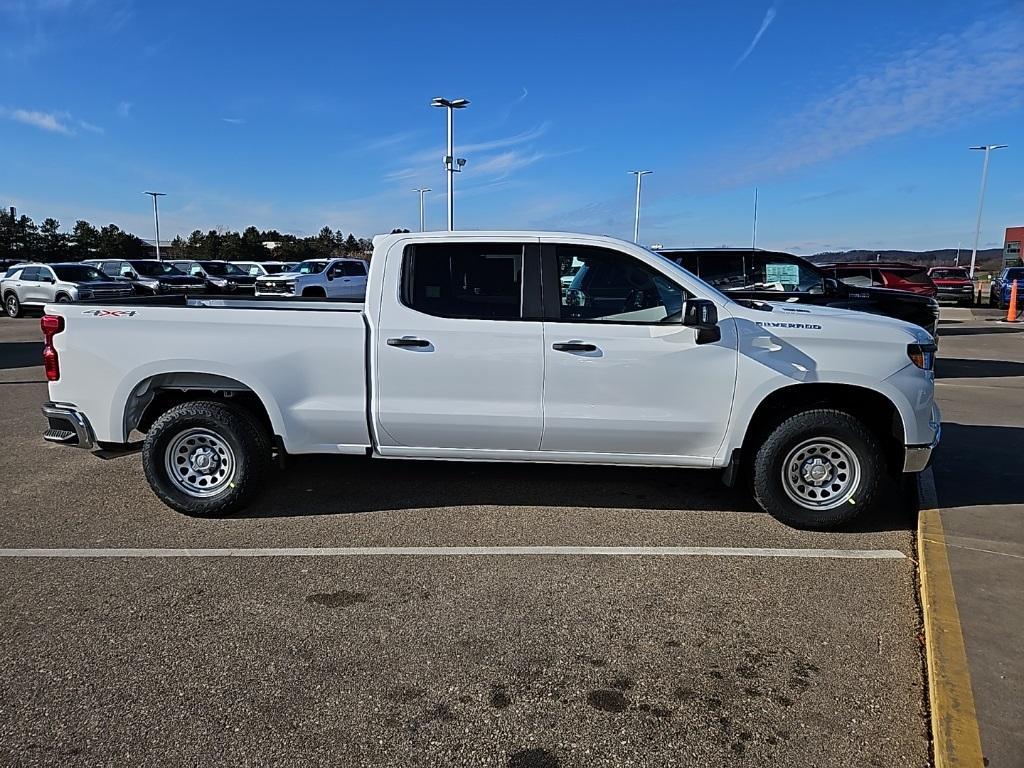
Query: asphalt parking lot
(574, 659)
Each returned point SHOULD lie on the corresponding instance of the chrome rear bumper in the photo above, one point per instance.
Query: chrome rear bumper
(67, 426)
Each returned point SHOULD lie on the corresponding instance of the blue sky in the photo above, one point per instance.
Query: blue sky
(852, 119)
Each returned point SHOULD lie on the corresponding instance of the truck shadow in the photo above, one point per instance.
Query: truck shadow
(979, 466)
(20, 354)
(319, 485)
(959, 368)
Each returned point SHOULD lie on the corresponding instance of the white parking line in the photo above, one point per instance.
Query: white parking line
(843, 554)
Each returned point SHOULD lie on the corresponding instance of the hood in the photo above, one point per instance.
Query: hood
(278, 276)
(828, 322)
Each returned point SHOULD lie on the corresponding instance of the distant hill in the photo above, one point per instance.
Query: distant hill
(989, 260)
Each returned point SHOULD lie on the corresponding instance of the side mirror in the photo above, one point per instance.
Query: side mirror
(131, 275)
(702, 315)
(330, 274)
(831, 286)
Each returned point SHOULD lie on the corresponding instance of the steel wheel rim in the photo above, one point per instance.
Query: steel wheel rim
(821, 473)
(199, 462)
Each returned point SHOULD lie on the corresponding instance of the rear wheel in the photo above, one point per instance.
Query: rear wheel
(206, 458)
(818, 469)
(12, 306)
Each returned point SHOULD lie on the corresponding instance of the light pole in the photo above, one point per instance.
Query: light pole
(422, 190)
(636, 223)
(156, 219)
(981, 200)
(450, 161)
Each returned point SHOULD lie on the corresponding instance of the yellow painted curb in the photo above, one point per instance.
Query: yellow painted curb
(955, 735)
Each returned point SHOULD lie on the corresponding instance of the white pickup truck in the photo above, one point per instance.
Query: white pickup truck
(468, 346)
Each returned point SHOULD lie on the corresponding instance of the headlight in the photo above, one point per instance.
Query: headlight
(218, 281)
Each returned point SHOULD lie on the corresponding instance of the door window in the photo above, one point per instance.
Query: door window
(353, 269)
(481, 281)
(30, 274)
(609, 286)
(859, 277)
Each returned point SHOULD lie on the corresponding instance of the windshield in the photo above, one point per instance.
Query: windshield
(273, 269)
(311, 267)
(78, 273)
(156, 269)
(950, 274)
(222, 268)
(1016, 273)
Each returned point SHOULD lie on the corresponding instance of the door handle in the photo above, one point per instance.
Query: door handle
(408, 343)
(574, 346)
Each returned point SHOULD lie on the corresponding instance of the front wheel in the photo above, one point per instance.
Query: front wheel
(206, 458)
(818, 469)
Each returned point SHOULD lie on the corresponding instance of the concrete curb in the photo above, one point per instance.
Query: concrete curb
(955, 736)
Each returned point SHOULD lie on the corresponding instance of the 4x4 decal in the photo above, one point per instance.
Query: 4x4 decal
(110, 312)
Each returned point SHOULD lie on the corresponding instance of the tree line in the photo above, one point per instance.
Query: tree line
(23, 240)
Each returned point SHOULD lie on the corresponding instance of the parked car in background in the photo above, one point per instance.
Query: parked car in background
(953, 283)
(324, 278)
(149, 276)
(743, 273)
(220, 276)
(262, 268)
(894, 275)
(999, 293)
(35, 285)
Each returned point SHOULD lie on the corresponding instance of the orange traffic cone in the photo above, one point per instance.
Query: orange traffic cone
(1011, 311)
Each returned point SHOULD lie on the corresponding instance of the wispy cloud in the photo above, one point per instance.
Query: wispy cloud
(124, 109)
(769, 17)
(54, 122)
(524, 137)
(234, 120)
(925, 87)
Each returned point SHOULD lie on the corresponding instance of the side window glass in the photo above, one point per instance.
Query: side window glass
(465, 280)
(195, 269)
(723, 271)
(775, 272)
(858, 278)
(126, 268)
(30, 273)
(254, 271)
(354, 269)
(601, 285)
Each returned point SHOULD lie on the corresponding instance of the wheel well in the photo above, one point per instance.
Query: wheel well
(314, 290)
(158, 394)
(65, 294)
(877, 412)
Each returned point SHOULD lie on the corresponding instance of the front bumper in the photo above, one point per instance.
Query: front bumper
(67, 426)
(917, 457)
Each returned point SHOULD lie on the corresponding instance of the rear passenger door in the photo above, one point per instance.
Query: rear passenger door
(459, 357)
(28, 290)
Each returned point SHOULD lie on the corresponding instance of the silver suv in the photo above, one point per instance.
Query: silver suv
(35, 285)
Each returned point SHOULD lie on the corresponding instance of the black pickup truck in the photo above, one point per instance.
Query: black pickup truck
(745, 273)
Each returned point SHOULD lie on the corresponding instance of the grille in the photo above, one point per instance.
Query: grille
(111, 293)
(282, 288)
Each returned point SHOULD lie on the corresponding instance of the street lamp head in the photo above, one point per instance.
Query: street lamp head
(639, 173)
(156, 194)
(452, 103)
(991, 146)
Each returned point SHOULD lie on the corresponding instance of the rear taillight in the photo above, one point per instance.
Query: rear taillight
(51, 325)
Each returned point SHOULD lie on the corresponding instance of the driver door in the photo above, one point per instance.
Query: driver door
(622, 374)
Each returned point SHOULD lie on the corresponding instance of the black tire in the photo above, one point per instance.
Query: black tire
(63, 299)
(12, 306)
(240, 434)
(862, 479)
(314, 293)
